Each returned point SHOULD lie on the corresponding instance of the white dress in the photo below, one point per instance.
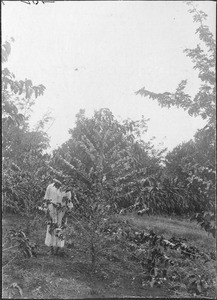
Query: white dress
(55, 237)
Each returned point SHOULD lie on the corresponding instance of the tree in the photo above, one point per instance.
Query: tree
(203, 103)
(105, 163)
(17, 99)
(25, 173)
(102, 150)
(194, 161)
(12, 87)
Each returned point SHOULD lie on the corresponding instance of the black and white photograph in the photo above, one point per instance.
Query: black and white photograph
(108, 149)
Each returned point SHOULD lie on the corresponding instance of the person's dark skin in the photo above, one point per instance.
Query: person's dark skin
(57, 185)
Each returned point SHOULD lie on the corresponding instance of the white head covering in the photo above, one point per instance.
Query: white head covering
(57, 181)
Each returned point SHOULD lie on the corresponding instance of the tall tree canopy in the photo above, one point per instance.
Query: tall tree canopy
(204, 60)
(24, 163)
(193, 163)
(106, 157)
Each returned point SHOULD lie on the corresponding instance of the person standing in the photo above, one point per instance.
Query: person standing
(58, 202)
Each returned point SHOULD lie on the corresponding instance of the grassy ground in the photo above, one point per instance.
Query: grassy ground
(49, 277)
(169, 227)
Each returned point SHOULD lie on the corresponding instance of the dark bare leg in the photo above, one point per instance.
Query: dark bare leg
(57, 251)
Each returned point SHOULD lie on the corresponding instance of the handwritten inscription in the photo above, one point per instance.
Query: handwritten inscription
(33, 2)
(36, 2)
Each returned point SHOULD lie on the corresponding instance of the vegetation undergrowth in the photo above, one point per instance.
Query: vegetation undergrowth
(173, 226)
(115, 274)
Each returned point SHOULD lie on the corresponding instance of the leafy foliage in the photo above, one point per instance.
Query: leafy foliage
(27, 248)
(110, 170)
(105, 163)
(203, 103)
(15, 242)
(192, 165)
(207, 221)
(12, 87)
(104, 157)
(25, 173)
(161, 260)
(156, 256)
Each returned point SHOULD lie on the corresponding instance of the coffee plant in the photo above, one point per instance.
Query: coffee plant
(160, 257)
(15, 242)
(207, 221)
